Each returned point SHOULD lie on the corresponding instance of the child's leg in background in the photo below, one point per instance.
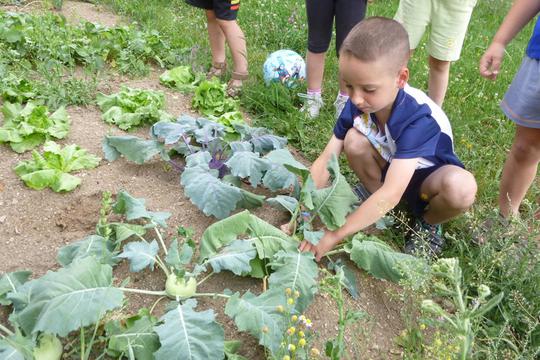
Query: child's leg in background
(439, 72)
(519, 170)
(237, 44)
(216, 38)
(450, 191)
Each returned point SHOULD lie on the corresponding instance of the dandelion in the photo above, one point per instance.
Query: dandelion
(301, 334)
(291, 330)
(294, 318)
(302, 342)
(422, 326)
(291, 347)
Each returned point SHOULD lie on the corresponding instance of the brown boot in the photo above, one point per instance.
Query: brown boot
(217, 70)
(234, 87)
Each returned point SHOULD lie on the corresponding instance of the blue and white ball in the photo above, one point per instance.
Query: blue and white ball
(284, 66)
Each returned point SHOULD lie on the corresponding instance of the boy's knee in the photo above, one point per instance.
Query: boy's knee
(438, 65)
(356, 144)
(459, 190)
(526, 151)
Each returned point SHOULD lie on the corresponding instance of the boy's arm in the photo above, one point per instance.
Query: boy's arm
(376, 206)
(519, 15)
(318, 170)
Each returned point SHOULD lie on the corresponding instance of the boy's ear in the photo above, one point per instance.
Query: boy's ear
(403, 77)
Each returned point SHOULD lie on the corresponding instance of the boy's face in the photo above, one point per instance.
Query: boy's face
(372, 86)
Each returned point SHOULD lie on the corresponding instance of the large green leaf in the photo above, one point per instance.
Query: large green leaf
(246, 164)
(10, 282)
(176, 257)
(277, 177)
(235, 257)
(92, 245)
(285, 158)
(189, 335)
(134, 208)
(8, 352)
(133, 148)
(297, 271)
(282, 202)
(140, 254)
(335, 202)
(65, 300)
(134, 336)
(380, 260)
(267, 238)
(259, 315)
(208, 193)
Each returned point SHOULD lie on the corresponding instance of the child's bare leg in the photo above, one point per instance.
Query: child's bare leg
(519, 170)
(237, 44)
(365, 161)
(451, 191)
(315, 70)
(439, 71)
(216, 37)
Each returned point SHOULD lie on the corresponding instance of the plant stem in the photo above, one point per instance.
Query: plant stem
(155, 304)
(335, 252)
(205, 278)
(6, 330)
(292, 223)
(212, 295)
(160, 238)
(146, 292)
(161, 264)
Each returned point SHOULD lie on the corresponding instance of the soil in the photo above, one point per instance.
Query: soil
(34, 225)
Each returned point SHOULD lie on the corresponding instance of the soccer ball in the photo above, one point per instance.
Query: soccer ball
(284, 66)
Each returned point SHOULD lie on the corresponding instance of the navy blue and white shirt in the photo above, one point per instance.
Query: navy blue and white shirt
(416, 128)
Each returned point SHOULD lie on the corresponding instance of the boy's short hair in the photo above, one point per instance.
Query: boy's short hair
(377, 37)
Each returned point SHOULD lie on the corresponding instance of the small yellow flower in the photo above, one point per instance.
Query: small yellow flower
(291, 330)
(302, 342)
(302, 318)
(438, 342)
(265, 329)
(290, 301)
(315, 352)
(296, 294)
(422, 326)
(280, 308)
(292, 348)
(286, 357)
(301, 334)
(288, 291)
(294, 318)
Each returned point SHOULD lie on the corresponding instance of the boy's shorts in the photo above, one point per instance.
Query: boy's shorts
(412, 197)
(521, 103)
(224, 9)
(449, 20)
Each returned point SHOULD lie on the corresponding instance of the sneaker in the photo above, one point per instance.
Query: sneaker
(361, 192)
(312, 104)
(340, 102)
(424, 239)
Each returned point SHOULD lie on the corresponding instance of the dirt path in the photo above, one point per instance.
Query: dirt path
(35, 224)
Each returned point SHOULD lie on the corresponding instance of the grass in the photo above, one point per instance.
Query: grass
(509, 262)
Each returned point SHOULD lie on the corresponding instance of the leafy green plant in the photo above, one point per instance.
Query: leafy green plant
(210, 98)
(29, 126)
(181, 78)
(81, 293)
(53, 167)
(215, 165)
(17, 90)
(132, 107)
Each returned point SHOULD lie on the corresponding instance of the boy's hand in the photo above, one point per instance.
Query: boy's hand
(327, 243)
(490, 63)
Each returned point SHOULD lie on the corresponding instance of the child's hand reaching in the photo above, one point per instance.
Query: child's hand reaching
(327, 243)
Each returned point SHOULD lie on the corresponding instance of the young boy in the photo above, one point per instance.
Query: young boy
(521, 104)
(449, 20)
(396, 139)
(222, 25)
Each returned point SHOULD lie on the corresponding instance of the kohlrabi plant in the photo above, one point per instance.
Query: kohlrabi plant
(216, 164)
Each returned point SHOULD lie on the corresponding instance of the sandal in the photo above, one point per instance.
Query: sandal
(217, 70)
(235, 89)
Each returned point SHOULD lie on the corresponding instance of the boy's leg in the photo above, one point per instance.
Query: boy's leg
(519, 170)
(364, 160)
(216, 37)
(439, 72)
(237, 44)
(450, 191)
